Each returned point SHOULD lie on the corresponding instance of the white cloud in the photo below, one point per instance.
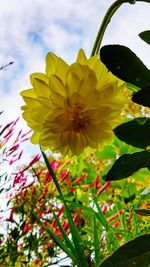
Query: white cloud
(28, 29)
(125, 26)
(60, 25)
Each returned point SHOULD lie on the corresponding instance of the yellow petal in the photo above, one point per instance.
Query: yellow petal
(77, 143)
(39, 76)
(31, 101)
(55, 65)
(72, 83)
(28, 93)
(41, 88)
(76, 101)
(92, 143)
(80, 71)
(88, 84)
(38, 114)
(81, 58)
(51, 63)
(35, 138)
(57, 100)
(56, 85)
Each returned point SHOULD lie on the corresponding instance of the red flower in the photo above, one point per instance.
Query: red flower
(116, 215)
(48, 177)
(116, 224)
(103, 188)
(104, 209)
(27, 227)
(96, 182)
(80, 178)
(60, 211)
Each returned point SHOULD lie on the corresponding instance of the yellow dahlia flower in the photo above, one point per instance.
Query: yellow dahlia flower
(73, 107)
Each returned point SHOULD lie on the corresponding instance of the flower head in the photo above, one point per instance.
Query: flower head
(73, 107)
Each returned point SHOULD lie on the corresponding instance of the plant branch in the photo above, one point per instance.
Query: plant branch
(107, 18)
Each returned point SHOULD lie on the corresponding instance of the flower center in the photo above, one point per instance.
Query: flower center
(76, 113)
(78, 118)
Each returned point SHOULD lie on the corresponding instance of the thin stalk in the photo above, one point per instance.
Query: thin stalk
(107, 18)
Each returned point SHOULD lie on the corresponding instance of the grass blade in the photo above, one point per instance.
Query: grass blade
(100, 216)
(77, 241)
(65, 236)
(56, 239)
(96, 243)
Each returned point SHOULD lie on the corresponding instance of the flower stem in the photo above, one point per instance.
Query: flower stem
(107, 18)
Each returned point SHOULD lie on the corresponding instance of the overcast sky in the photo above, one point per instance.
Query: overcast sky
(29, 29)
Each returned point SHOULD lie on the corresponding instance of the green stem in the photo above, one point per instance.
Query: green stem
(107, 18)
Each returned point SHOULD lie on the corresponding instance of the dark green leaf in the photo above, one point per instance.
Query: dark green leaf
(51, 251)
(142, 97)
(127, 164)
(143, 212)
(145, 36)
(123, 63)
(129, 192)
(1, 190)
(135, 132)
(135, 253)
(129, 199)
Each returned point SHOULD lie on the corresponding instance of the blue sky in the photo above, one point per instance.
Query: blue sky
(29, 29)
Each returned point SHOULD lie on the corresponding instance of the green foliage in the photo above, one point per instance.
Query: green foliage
(143, 212)
(145, 36)
(65, 246)
(124, 63)
(127, 165)
(142, 97)
(88, 199)
(134, 253)
(78, 247)
(135, 132)
(96, 242)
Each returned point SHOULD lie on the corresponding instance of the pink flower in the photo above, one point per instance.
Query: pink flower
(55, 165)
(10, 218)
(64, 175)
